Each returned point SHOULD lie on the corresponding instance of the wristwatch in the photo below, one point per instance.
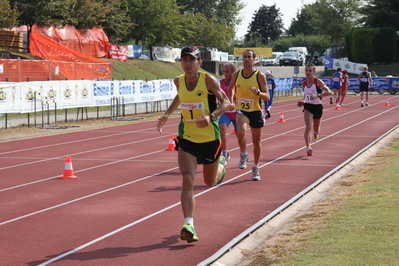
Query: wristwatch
(213, 117)
(258, 91)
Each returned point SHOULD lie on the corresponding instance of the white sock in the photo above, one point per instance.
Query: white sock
(189, 220)
(255, 165)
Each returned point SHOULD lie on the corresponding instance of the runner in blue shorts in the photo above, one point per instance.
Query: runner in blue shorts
(336, 86)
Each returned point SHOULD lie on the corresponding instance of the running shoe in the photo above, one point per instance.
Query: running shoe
(255, 173)
(361, 105)
(268, 115)
(226, 156)
(309, 151)
(367, 104)
(315, 137)
(331, 100)
(222, 162)
(243, 161)
(188, 233)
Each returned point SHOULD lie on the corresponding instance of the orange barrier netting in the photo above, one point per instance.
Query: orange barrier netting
(18, 70)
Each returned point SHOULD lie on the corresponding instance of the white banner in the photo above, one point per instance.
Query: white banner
(163, 54)
(47, 92)
(103, 91)
(75, 93)
(10, 95)
(355, 68)
(224, 57)
(20, 97)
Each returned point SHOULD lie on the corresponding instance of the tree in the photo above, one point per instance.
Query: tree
(381, 13)
(157, 22)
(334, 18)
(201, 31)
(300, 24)
(267, 23)
(223, 12)
(82, 14)
(8, 18)
(118, 21)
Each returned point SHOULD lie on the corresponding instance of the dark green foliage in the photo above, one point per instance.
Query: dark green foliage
(266, 23)
(381, 13)
(371, 45)
(301, 24)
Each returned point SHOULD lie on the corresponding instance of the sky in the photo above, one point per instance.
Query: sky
(288, 8)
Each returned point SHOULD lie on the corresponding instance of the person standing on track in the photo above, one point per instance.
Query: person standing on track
(198, 140)
(312, 105)
(271, 85)
(248, 87)
(365, 82)
(336, 86)
(344, 87)
(229, 116)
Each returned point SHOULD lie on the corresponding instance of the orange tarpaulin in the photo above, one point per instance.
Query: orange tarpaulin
(92, 42)
(46, 48)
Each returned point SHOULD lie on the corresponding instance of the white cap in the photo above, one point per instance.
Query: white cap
(268, 72)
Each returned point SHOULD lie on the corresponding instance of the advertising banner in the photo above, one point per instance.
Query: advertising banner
(134, 51)
(260, 52)
(283, 84)
(394, 83)
(10, 95)
(75, 93)
(102, 92)
(117, 52)
(47, 93)
(163, 54)
(351, 67)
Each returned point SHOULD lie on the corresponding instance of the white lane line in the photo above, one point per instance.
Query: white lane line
(197, 195)
(79, 140)
(82, 170)
(83, 152)
(85, 197)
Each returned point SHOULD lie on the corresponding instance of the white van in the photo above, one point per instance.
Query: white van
(303, 51)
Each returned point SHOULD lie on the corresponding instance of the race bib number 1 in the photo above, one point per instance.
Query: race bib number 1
(191, 111)
(245, 104)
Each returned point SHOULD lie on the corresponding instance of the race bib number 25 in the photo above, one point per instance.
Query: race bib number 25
(246, 104)
(191, 111)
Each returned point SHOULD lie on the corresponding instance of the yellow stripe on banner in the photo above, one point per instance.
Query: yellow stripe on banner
(259, 51)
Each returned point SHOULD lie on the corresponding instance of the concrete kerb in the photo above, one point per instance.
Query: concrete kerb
(236, 256)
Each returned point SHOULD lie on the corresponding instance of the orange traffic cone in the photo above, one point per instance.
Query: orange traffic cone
(233, 132)
(68, 170)
(171, 144)
(387, 103)
(281, 117)
(337, 106)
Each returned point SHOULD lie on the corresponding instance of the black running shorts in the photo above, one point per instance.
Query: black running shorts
(315, 109)
(206, 153)
(255, 118)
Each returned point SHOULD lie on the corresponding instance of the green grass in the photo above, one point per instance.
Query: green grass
(144, 70)
(364, 230)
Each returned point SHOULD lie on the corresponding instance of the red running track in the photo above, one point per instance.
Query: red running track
(124, 209)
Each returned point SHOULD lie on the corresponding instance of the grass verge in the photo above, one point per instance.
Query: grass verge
(356, 225)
